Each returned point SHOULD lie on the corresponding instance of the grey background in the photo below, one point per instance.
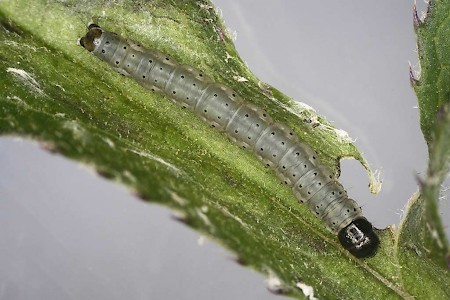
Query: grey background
(68, 234)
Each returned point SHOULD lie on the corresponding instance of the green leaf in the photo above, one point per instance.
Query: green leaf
(421, 233)
(57, 93)
(433, 45)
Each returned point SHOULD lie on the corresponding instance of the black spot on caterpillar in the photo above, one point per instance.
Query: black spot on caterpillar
(250, 127)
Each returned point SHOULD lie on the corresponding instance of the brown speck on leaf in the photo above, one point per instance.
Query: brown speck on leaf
(50, 147)
(104, 173)
(180, 218)
(240, 260)
(412, 78)
(416, 19)
(264, 88)
(220, 33)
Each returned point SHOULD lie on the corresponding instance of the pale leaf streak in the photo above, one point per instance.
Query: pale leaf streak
(26, 79)
(307, 290)
(158, 159)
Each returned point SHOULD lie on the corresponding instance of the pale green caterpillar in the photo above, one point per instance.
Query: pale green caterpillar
(295, 163)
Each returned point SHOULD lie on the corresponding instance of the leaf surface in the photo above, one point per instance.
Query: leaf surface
(57, 93)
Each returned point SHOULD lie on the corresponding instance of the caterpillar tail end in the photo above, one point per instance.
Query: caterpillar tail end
(359, 238)
(88, 41)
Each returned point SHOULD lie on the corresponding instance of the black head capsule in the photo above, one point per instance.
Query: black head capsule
(359, 238)
(88, 40)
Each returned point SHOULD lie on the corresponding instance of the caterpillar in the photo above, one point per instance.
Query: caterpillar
(248, 126)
